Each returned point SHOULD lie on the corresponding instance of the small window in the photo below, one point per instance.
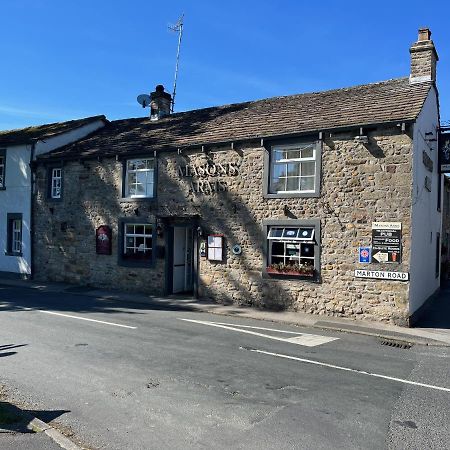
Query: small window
(14, 244)
(139, 178)
(293, 169)
(292, 248)
(56, 182)
(137, 242)
(2, 168)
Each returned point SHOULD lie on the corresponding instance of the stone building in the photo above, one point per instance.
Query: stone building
(18, 149)
(271, 203)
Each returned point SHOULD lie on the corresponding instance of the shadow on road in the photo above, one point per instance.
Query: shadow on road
(15, 419)
(9, 347)
(71, 300)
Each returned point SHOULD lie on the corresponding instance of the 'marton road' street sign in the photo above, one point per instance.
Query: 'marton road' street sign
(382, 275)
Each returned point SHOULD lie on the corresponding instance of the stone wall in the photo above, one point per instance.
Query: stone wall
(360, 184)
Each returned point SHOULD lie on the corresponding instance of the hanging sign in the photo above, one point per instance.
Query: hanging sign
(444, 152)
(103, 240)
(386, 242)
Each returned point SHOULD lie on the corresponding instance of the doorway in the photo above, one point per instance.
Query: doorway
(182, 259)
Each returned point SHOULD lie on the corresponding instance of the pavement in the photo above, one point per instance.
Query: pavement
(433, 328)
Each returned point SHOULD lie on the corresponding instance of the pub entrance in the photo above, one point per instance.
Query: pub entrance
(180, 277)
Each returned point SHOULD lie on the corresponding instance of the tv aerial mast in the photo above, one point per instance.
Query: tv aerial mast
(177, 28)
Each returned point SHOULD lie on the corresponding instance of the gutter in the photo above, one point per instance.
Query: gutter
(32, 186)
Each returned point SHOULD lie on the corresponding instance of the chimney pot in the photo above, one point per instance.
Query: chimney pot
(424, 34)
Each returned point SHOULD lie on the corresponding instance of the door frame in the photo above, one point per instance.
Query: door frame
(169, 241)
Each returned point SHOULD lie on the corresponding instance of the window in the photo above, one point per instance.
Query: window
(56, 182)
(136, 242)
(139, 178)
(2, 168)
(292, 247)
(292, 170)
(14, 243)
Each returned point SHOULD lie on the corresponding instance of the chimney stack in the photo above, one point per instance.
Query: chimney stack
(423, 58)
(160, 103)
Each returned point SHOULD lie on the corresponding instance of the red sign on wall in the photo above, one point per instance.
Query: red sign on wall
(103, 240)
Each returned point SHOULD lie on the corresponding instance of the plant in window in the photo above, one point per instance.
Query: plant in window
(291, 269)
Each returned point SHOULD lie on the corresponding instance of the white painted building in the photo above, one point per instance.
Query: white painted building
(18, 148)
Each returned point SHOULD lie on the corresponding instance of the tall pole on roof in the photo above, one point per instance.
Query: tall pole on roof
(178, 27)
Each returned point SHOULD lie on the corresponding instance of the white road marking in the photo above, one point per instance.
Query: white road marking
(88, 320)
(347, 369)
(307, 340)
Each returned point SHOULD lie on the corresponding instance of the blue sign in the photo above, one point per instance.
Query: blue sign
(364, 254)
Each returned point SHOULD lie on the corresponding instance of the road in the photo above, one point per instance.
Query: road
(134, 376)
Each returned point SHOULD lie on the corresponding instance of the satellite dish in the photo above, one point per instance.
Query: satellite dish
(144, 100)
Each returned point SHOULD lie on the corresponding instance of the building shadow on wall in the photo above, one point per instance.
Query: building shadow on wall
(437, 314)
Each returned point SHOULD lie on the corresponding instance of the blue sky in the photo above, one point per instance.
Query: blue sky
(68, 59)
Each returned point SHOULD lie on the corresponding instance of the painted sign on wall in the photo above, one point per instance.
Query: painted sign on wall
(444, 152)
(386, 242)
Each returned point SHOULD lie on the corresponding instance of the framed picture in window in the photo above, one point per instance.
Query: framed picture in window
(215, 247)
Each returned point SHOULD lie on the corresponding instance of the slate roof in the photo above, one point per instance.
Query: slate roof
(30, 134)
(384, 102)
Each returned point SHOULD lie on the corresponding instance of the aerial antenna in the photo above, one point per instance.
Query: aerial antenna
(177, 28)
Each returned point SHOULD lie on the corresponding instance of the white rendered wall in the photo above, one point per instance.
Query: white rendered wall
(425, 219)
(16, 199)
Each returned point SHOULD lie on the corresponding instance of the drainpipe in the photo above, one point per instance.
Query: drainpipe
(32, 185)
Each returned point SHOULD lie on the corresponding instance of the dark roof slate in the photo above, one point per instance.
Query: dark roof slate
(30, 134)
(384, 102)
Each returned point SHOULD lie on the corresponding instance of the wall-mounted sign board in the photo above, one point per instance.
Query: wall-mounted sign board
(215, 247)
(382, 275)
(386, 242)
(364, 254)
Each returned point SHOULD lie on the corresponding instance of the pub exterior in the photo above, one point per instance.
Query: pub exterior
(327, 203)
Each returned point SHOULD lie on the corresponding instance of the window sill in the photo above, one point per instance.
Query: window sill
(293, 195)
(137, 200)
(13, 254)
(136, 264)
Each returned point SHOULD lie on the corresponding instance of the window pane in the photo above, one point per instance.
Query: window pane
(292, 184)
(276, 232)
(277, 248)
(308, 152)
(307, 183)
(279, 170)
(141, 177)
(307, 250)
(150, 163)
(290, 233)
(139, 229)
(131, 178)
(293, 250)
(278, 184)
(293, 154)
(277, 260)
(306, 233)
(308, 168)
(293, 169)
(278, 154)
(148, 229)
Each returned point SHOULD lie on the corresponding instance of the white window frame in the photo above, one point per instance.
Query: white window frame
(287, 161)
(148, 239)
(16, 236)
(149, 191)
(56, 182)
